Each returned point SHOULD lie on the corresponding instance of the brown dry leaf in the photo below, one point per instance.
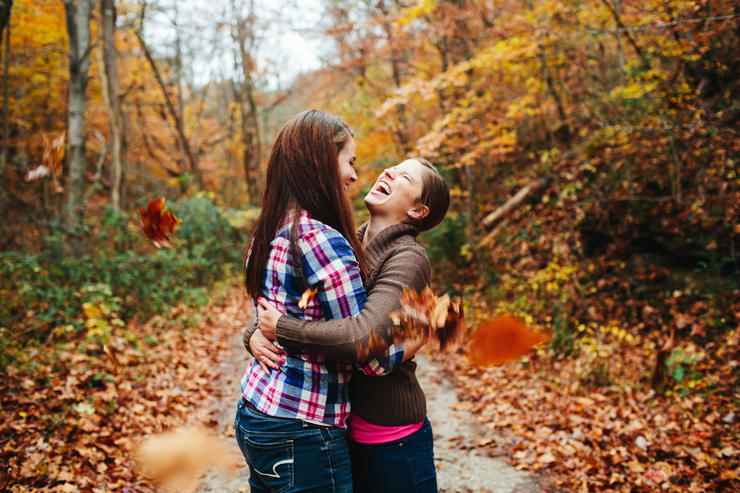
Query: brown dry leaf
(175, 458)
(113, 359)
(660, 368)
(502, 339)
(426, 316)
(51, 162)
(156, 225)
(308, 296)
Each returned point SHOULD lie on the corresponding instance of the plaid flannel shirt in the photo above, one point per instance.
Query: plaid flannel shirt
(309, 386)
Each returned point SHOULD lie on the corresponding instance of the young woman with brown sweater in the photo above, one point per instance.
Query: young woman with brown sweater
(390, 438)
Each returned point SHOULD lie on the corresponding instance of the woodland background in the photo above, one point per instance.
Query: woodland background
(612, 125)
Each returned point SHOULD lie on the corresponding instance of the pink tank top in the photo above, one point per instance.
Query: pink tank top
(361, 431)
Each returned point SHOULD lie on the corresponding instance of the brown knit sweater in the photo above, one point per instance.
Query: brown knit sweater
(395, 261)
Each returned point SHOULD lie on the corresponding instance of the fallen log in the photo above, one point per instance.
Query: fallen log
(514, 202)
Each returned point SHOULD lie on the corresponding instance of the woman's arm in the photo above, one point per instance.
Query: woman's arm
(335, 339)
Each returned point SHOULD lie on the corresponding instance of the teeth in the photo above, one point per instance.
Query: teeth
(383, 187)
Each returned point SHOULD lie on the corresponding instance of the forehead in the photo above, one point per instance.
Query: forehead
(349, 147)
(412, 167)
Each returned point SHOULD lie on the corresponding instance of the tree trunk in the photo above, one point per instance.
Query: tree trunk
(112, 90)
(78, 15)
(246, 41)
(5, 19)
(5, 6)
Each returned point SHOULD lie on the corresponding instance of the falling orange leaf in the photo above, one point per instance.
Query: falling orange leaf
(51, 162)
(502, 339)
(157, 225)
(307, 297)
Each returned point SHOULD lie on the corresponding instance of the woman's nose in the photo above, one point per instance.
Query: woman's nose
(353, 178)
(390, 172)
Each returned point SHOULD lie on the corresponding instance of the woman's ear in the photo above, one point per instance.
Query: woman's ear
(418, 213)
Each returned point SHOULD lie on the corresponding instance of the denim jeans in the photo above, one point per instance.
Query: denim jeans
(287, 455)
(405, 465)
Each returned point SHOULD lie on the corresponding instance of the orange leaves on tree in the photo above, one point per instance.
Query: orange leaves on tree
(502, 339)
(51, 163)
(157, 224)
(422, 316)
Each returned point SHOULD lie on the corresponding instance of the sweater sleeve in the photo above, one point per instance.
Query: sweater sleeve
(335, 339)
(251, 329)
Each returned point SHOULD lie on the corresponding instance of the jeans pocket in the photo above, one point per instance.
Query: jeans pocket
(272, 460)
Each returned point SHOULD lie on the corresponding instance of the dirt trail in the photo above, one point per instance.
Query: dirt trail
(461, 465)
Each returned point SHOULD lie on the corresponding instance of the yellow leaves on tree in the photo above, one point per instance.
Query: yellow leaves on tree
(157, 224)
(51, 163)
(502, 339)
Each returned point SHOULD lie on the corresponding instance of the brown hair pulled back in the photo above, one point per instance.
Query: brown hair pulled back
(302, 173)
(435, 194)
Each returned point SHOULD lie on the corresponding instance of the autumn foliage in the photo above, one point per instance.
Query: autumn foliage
(592, 152)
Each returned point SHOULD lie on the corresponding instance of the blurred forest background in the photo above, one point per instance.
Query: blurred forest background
(591, 146)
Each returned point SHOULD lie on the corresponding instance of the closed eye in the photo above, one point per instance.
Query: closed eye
(408, 177)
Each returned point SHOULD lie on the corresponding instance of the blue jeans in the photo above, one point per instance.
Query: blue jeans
(292, 455)
(405, 465)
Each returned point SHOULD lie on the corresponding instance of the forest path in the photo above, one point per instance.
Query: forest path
(461, 465)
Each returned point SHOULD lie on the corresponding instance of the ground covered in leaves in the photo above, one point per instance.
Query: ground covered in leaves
(70, 418)
(622, 436)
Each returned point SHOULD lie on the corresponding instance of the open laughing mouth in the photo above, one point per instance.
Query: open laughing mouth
(383, 188)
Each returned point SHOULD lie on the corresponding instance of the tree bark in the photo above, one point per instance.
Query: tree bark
(246, 41)
(5, 19)
(78, 14)
(5, 6)
(112, 97)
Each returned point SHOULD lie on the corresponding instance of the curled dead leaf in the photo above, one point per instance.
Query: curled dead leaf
(112, 357)
(157, 224)
(51, 162)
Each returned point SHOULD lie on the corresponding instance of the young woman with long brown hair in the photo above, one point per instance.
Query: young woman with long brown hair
(291, 424)
(390, 438)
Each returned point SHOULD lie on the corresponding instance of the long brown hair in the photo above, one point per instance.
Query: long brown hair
(435, 194)
(302, 173)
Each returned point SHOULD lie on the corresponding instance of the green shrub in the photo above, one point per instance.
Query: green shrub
(121, 275)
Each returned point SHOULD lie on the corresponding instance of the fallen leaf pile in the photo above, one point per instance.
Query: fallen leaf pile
(157, 224)
(617, 437)
(72, 425)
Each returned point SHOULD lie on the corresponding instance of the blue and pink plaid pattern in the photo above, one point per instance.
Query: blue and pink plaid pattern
(309, 386)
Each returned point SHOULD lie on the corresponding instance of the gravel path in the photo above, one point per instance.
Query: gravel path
(461, 465)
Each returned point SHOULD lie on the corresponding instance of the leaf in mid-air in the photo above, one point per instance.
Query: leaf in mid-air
(51, 163)
(156, 225)
(307, 297)
(421, 316)
(502, 339)
(426, 316)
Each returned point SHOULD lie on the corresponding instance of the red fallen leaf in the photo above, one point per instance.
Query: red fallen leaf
(157, 225)
(51, 162)
(502, 339)
(308, 296)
